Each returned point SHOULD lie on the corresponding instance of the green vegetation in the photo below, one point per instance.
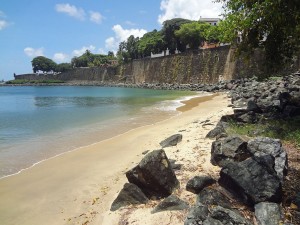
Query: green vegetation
(267, 24)
(287, 130)
(193, 34)
(175, 34)
(23, 81)
(88, 59)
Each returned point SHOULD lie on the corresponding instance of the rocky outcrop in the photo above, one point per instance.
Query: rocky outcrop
(251, 181)
(154, 175)
(129, 195)
(228, 150)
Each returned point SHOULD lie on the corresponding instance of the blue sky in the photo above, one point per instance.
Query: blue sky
(60, 29)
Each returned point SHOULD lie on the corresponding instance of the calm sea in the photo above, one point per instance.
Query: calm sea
(37, 123)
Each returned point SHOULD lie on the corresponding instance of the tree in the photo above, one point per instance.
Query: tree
(41, 63)
(151, 42)
(63, 67)
(192, 34)
(213, 34)
(273, 25)
(132, 47)
(168, 33)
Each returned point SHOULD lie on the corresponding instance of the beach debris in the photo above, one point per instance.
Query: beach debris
(170, 203)
(129, 195)
(171, 141)
(197, 183)
(154, 175)
(145, 152)
(267, 213)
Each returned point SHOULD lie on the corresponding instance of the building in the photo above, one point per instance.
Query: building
(211, 21)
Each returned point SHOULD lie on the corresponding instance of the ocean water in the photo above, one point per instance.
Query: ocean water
(37, 123)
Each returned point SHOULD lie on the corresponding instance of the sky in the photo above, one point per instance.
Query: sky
(62, 29)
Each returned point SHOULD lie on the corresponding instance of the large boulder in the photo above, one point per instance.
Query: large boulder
(228, 150)
(252, 181)
(129, 195)
(267, 213)
(171, 141)
(154, 175)
(262, 146)
(197, 183)
(171, 203)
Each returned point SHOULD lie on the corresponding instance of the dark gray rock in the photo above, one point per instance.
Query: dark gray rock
(267, 146)
(196, 184)
(218, 130)
(196, 215)
(296, 200)
(267, 213)
(212, 197)
(171, 141)
(129, 195)
(251, 182)
(154, 175)
(170, 203)
(252, 106)
(227, 217)
(227, 150)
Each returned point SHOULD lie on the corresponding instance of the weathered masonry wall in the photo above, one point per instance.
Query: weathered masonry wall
(199, 66)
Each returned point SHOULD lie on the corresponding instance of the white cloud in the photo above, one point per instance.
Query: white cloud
(96, 17)
(61, 57)
(31, 52)
(71, 10)
(102, 51)
(2, 14)
(3, 24)
(81, 51)
(121, 34)
(188, 9)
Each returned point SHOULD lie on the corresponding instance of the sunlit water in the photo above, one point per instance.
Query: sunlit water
(37, 123)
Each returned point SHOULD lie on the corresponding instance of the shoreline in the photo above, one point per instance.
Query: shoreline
(186, 102)
(79, 170)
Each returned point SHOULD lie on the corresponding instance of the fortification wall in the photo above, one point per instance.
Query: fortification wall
(199, 66)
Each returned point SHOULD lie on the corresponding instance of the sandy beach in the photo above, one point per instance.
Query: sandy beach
(78, 187)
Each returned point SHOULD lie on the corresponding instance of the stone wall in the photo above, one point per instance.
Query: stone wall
(199, 66)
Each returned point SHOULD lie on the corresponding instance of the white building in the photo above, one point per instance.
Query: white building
(211, 21)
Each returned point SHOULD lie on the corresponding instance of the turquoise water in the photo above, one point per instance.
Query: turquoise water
(37, 123)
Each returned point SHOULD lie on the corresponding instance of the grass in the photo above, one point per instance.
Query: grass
(23, 81)
(287, 130)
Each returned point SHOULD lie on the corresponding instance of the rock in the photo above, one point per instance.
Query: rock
(196, 184)
(170, 203)
(145, 152)
(229, 149)
(226, 217)
(251, 182)
(267, 146)
(196, 215)
(252, 106)
(296, 200)
(174, 165)
(267, 213)
(212, 197)
(154, 175)
(129, 195)
(171, 141)
(218, 130)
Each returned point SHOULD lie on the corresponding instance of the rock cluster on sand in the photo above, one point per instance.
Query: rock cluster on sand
(152, 177)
